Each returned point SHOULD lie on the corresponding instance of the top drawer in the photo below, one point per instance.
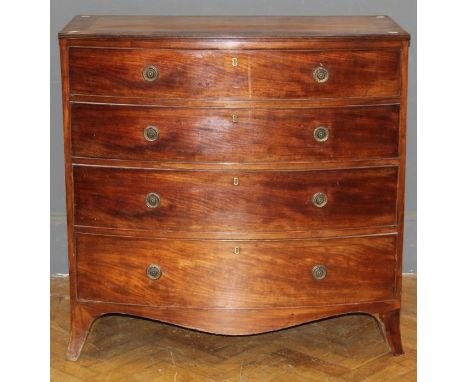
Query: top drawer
(234, 74)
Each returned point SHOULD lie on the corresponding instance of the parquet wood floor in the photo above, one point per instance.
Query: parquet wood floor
(123, 349)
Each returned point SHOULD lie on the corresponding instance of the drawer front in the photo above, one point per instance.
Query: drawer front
(182, 74)
(244, 201)
(277, 74)
(234, 135)
(213, 274)
(235, 74)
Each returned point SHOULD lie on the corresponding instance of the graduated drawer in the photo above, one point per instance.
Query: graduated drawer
(234, 74)
(241, 201)
(230, 274)
(233, 135)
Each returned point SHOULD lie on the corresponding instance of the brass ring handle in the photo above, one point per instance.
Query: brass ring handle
(153, 272)
(319, 272)
(150, 73)
(152, 200)
(319, 199)
(151, 133)
(321, 134)
(320, 74)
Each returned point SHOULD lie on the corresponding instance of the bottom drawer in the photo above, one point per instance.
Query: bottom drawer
(235, 274)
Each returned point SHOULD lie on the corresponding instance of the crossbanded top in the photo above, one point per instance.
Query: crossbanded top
(379, 27)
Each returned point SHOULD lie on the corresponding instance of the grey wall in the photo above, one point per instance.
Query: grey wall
(403, 12)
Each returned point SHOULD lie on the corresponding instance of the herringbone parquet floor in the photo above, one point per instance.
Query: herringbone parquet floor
(125, 349)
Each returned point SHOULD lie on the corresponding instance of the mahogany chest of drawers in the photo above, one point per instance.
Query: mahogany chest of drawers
(234, 175)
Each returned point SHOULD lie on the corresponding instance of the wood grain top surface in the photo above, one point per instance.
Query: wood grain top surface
(92, 26)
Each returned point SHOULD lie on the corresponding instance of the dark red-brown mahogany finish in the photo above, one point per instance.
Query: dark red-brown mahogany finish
(234, 175)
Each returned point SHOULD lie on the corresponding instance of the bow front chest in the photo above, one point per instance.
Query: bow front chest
(234, 175)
